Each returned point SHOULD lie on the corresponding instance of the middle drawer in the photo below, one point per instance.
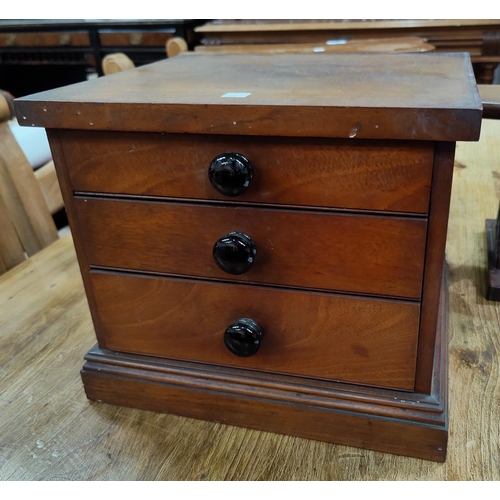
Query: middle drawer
(354, 253)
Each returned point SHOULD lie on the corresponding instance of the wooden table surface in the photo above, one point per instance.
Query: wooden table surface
(49, 430)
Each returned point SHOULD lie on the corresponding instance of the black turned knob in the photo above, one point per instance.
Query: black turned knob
(243, 337)
(230, 174)
(234, 253)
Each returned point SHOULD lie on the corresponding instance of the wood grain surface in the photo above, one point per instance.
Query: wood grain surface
(389, 96)
(394, 176)
(352, 253)
(49, 430)
(351, 339)
(434, 260)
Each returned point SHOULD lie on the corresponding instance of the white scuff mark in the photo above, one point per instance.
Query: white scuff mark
(234, 123)
(354, 131)
(319, 49)
(45, 109)
(91, 123)
(236, 95)
(272, 246)
(132, 149)
(78, 112)
(40, 444)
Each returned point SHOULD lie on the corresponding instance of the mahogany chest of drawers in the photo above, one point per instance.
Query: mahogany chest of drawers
(262, 238)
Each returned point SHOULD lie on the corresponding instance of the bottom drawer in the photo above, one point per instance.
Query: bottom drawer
(351, 339)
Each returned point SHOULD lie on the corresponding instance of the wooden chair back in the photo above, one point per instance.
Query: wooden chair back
(116, 62)
(26, 224)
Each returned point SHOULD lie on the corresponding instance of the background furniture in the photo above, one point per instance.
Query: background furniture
(479, 37)
(50, 431)
(44, 54)
(114, 63)
(26, 224)
(396, 44)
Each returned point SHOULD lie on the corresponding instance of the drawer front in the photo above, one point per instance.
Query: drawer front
(309, 172)
(350, 339)
(362, 254)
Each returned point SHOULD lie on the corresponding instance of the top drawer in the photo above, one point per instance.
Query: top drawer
(360, 175)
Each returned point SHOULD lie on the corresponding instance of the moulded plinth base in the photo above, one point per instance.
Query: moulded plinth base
(402, 423)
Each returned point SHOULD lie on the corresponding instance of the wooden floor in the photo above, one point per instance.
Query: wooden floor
(49, 430)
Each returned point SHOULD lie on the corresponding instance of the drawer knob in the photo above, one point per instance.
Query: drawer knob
(243, 337)
(235, 252)
(230, 174)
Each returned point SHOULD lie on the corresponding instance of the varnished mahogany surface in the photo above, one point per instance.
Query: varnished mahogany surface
(388, 176)
(354, 253)
(367, 341)
(378, 96)
(434, 258)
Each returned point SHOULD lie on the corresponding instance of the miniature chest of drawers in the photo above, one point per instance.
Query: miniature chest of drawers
(262, 238)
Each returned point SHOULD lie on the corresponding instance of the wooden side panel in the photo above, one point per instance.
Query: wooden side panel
(364, 254)
(434, 260)
(350, 339)
(389, 176)
(79, 237)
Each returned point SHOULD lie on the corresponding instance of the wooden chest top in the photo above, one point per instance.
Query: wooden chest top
(365, 96)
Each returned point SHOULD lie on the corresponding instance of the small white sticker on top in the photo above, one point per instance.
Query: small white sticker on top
(237, 95)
